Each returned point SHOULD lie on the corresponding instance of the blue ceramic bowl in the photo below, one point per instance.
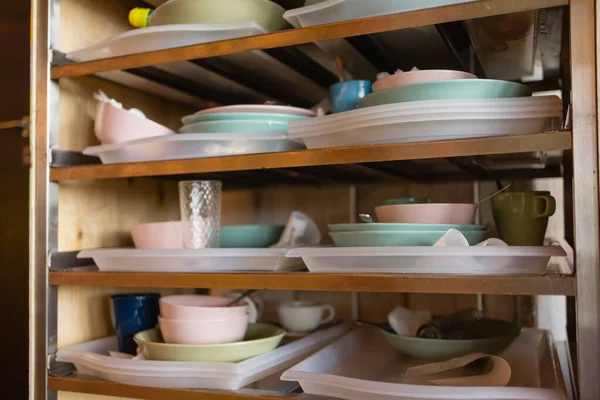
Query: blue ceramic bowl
(400, 238)
(241, 126)
(250, 236)
(344, 96)
(240, 116)
(398, 227)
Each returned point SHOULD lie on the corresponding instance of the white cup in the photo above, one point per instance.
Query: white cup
(304, 316)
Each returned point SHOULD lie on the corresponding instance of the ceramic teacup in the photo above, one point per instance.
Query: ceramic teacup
(304, 316)
(522, 217)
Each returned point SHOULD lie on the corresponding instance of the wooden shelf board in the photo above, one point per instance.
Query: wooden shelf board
(456, 12)
(547, 141)
(516, 285)
(105, 388)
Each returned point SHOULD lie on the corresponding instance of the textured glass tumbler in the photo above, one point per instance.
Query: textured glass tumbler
(200, 205)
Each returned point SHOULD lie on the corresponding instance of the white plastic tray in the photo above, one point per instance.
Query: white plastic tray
(429, 120)
(191, 145)
(330, 11)
(91, 358)
(192, 261)
(164, 37)
(474, 260)
(362, 365)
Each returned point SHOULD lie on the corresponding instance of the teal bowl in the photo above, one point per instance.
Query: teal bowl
(250, 236)
(407, 200)
(241, 126)
(398, 238)
(398, 227)
(451, 89)
(237, 116)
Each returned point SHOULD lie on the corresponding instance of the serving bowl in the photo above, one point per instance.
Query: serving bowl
(205, 331)
(264, 12)
(240, 116)
(431, 213)
(452, 89)
(398, 238)
(376, 226)
(157, 235)
(250, 236)
(117, 125)
(259, 339)
(410, 77)
(200, 307)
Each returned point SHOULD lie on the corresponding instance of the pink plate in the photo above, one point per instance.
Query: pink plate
(406, 78)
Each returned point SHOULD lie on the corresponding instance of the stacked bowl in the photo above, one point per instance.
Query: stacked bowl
(410, 222)
(245, 129)
(206, 328)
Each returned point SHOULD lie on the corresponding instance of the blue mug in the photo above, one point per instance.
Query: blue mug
(133, 313)
(344, 96)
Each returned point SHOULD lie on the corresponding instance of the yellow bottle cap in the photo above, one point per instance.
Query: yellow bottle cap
(138, 17)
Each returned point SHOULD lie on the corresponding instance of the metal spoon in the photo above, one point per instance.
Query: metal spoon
(241, 297)
(365, 218)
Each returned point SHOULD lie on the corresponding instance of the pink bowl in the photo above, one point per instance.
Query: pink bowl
(199, 307)
(406, 78)
(209, 331)
(158, 235)
(117, 125)
(427, 213)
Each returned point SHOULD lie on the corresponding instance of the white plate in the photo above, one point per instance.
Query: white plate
(191, 145)
(164, 37)
(473, 260)
(259, 108)
(91, 358)
(192, 261)
(362, 365)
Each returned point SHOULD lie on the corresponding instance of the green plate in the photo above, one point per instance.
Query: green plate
(451, 89)
(260, 338)
(241, 126)
(250, 236)
(264, 12)
(236, 116)
(376, 226)
(407, 200)
(398, 238)
(445, 349)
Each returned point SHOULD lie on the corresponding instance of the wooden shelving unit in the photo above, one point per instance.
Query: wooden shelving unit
(515, 285)
(102, 193)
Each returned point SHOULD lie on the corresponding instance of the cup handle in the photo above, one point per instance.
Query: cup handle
(548, 209)
(330, 317)
(111, 308)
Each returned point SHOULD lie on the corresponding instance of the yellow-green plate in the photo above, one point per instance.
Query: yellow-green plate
(260, 338)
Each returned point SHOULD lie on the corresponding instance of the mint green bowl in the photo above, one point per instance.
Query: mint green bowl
(445, 349)
(250, 236)
(266, 13)
(451, 89)
(406, 200)
(398, 227)
(237, 116)
(257, 127)
(398, 238)
(259, 339)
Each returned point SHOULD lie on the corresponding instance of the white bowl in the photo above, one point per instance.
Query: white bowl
(117, 125)
(158, 235)
(208, 331)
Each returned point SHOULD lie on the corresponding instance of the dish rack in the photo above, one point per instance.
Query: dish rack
(78, 203)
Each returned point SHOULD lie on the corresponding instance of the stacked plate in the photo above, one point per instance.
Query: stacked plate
(421, 109)
(399, 234)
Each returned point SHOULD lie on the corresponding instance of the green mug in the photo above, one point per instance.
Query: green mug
(522, 217)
